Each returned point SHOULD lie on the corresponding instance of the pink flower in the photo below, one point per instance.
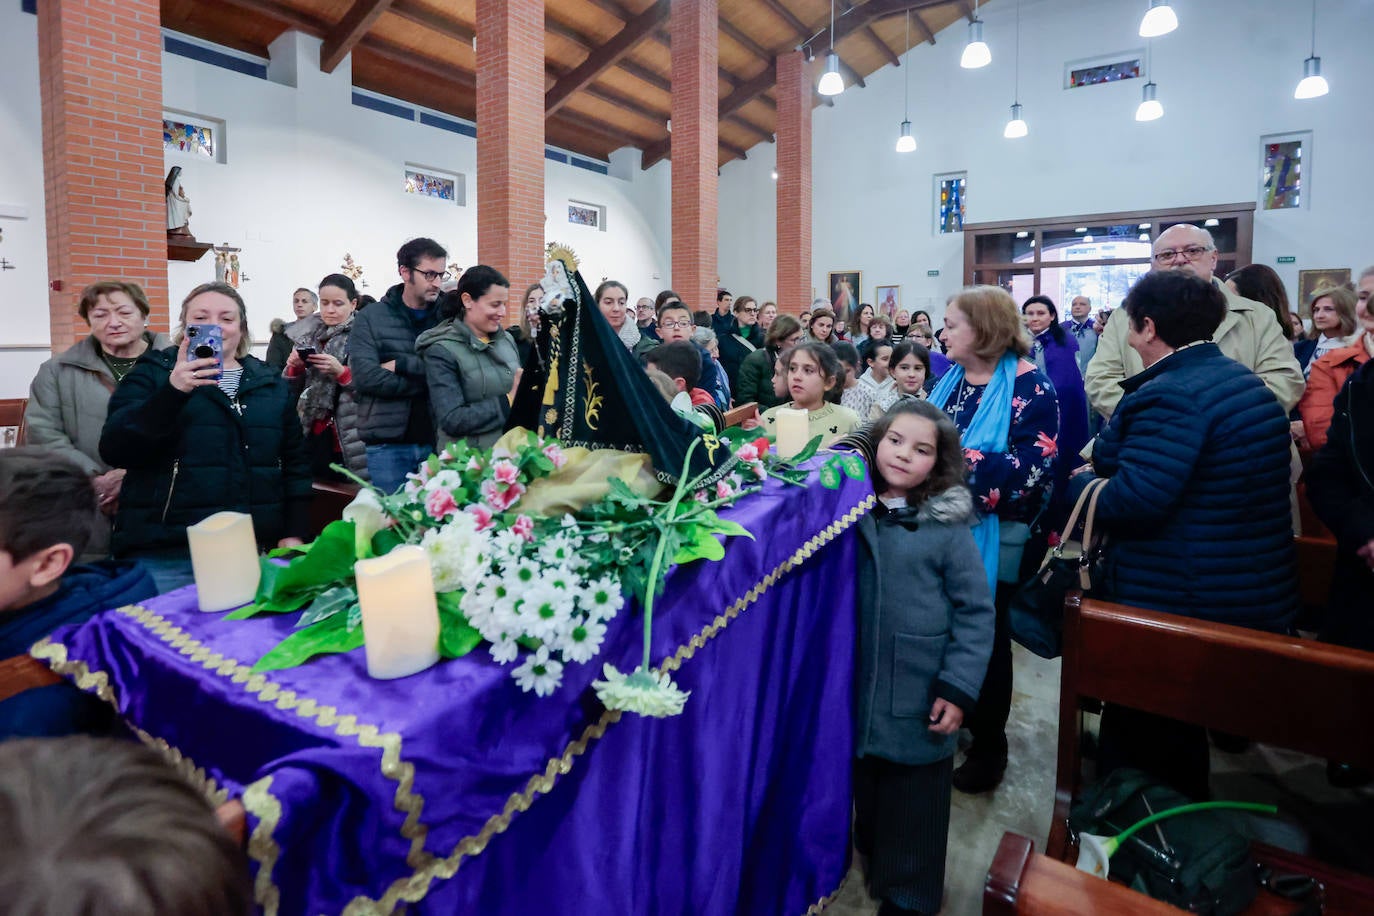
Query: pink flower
(992, 499)
(474, 464)
(701, 497)
(1048, 446)
(972, 455)
(505, 472)
(555, 454)
(723, 490)
(440, 504)
(747, 452)
(524, 526)
(501, 498)
(482, 514)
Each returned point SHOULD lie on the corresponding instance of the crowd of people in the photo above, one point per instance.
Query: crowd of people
(1189, 399)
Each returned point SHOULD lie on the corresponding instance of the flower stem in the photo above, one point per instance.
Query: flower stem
(656, 567)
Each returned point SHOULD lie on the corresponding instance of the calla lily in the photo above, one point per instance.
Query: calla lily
(368, 517)
(1095, 853)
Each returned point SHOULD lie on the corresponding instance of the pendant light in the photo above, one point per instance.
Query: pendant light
(976, 53)
(1313, 84)
(1016, 127)
(1159, 20)
(1149, 109)
(906, 143)
(831, 82)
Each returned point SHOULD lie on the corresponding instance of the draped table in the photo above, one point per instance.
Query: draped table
(451, 791)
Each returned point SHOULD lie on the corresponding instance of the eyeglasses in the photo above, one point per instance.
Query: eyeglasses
(750, 311)
(431, 275)
(674, 325)
(1192, 253)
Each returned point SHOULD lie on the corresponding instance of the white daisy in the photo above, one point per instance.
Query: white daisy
(583, 642)
(539, 673)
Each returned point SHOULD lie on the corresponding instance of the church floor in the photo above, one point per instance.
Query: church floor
(1334, 821)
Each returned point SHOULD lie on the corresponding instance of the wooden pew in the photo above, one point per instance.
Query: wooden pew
(1281, 690)
(1022, 881)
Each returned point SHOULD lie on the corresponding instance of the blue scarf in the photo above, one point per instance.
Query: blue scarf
(987, 433)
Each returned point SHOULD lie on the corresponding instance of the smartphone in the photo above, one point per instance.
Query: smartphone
(305, 353)
(206, 341)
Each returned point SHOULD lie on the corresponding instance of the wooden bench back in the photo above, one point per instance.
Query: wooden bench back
(12, 414)
(1022, 882)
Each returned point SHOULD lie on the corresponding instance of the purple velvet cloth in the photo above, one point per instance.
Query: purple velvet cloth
(739, 806)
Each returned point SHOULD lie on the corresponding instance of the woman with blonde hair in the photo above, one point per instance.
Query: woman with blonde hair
(1333, 325)
(1328, 374)
(1006, 413)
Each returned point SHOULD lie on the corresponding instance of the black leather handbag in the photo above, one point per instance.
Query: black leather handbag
(1036, 614)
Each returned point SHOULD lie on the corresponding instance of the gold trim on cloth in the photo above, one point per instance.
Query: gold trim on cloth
(414, 888)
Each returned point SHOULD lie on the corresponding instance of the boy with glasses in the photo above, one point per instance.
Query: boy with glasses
(675, 323)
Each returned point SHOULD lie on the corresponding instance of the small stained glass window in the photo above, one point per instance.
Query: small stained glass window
(584, 216)
(1282, 172)
(440, 187)
(951, 197)
(188, 137)
(1104, 73)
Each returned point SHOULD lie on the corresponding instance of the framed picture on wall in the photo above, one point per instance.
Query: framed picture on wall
(1309, 281)
(887, 300)
(843, 292)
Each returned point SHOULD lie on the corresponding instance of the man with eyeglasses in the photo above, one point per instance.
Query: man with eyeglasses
(675, 323)
(393, 399)
(1248, 334)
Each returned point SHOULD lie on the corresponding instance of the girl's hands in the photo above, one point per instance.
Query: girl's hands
(945, 717)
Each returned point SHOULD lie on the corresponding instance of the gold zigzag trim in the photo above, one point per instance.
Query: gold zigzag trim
(259, 801)
(411, 889)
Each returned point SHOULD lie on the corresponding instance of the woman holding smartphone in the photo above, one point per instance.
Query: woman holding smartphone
(204, 427)
(327, 407)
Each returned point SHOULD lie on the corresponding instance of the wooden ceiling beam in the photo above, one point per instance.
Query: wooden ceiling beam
(277, 12)
(881, 45)
(587, 42)
(361, 16)
(923, 26)
(787, 16)
(423, 16)
(744, 41)
(605, 56)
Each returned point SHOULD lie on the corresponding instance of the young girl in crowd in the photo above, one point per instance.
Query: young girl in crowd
(812, 370)
(877, 383)
(909, 366)
(852, 395)
(879, 332)
(921, 663)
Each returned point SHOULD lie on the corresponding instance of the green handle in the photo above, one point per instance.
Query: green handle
(1130, 831)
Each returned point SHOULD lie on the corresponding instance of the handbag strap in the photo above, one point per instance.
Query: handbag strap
(1089, 541)
(1088, 498)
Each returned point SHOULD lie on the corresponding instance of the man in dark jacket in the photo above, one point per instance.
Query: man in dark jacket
(1196, 508)
(388, 375)
(46, 505)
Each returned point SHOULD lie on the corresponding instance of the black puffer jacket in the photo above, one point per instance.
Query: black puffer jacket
(191, 455)
(392, 406)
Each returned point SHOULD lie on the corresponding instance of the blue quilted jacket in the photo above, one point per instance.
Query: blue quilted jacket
(1197, 507)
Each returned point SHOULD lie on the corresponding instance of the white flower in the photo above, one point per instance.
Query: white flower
(539, 673)
(504, 649)
(546, 611)
(445, 480)
(602, 599)
(1095, 853)
(648, 693)
(582, 643)
(557, 550)
(368, 517)
(458, 554)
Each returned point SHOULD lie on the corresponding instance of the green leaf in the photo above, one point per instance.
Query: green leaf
(355, 616)
(807, 452)
(853, 467)
(243, 613)
(731, 529)
(621, 493)
(329, 560)
(830, 477)
(384, 541)
(457, 637)
(698, 543)
(276, 552)
(325, 638)
(328, 604)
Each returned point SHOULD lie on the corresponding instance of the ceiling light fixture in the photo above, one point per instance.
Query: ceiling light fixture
(1016, 127)
(1159, 20)
(1149, 108)
(775, 174)
(1313, 84)
(906, 143)
(831, 82)
(976, 53)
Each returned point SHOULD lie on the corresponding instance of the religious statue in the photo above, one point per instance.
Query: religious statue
(557, 282)
(178, 205)
(234, 276)
(221, 266)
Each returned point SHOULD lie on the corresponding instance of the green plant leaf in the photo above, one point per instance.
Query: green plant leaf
(830, 477)
(853, 467)
(731, 529)
(277, 552)
(807, 452)
(325, 638)
(243, 613)
(327, 604)
(699, 543)
(384, 541)
(329, 560)
(355, 616)
(457, 637)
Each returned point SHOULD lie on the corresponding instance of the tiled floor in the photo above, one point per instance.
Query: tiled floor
(1331, 824)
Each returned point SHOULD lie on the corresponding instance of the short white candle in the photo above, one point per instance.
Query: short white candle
(793, 430)
(224, 559)
(400, 616)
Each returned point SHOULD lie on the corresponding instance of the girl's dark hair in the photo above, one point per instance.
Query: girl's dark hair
(475, 282)
(871, 346)
(342, 282)
(909, 348)
(596, 297)
(949, 451)
(1056, 331)
(1262, 283)
(847, 353)
(918, 313)
(823, 354)
(853, 325)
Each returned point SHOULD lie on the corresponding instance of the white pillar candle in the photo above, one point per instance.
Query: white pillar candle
(400, 616)
(793, 431)
(224, 559)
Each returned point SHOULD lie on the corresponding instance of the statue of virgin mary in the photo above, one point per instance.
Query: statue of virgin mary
(178, 204)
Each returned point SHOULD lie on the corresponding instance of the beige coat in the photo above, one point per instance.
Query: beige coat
(1249, 334)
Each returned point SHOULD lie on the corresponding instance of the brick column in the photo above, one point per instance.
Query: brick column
(794, 183)
(100, 66)
(695, 26)
(510, 139)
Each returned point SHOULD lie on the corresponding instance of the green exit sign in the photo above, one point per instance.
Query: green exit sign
(932, 273)
(1287, 259)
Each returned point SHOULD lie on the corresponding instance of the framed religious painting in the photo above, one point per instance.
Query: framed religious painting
(1309, 281)
(844, 287)
(887, 300)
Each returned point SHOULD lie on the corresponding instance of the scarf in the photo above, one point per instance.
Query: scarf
(321, 395)
(987, 432)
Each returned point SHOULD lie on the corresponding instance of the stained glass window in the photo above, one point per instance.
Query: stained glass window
(186, 137)
(951, 192)
(425, 185)
(584, 216)
(1104, 73)
(1281, 175)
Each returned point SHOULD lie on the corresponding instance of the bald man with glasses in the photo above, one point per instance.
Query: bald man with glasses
(1248, 334)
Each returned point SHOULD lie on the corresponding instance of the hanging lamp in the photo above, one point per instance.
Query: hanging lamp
(1159, 20)
(1313, 84)
(831, 82)
(976, 53)
(1016, 127)
(1149, 108)
(906, 143)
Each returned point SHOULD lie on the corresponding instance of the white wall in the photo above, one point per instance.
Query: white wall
(308, 177)
(1225, 77)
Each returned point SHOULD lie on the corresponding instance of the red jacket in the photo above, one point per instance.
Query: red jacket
(1327, 377)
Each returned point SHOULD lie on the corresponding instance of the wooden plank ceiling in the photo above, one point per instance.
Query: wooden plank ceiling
(607, 63)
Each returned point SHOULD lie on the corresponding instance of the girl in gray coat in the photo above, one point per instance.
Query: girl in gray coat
(925, 635)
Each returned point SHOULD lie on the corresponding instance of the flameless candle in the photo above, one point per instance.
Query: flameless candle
(793, 431)
(400, 616)
(224, 559)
